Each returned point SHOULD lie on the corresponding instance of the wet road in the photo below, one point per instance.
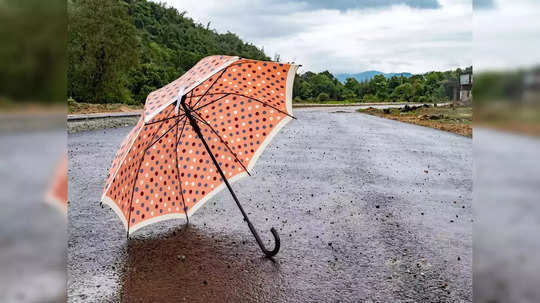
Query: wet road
(32, 232)
(507, 208)
(368, 209)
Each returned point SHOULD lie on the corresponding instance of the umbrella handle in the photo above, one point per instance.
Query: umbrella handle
(196, 128)
(277, 245)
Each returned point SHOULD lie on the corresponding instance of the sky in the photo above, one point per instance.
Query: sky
(349, 36)
(506, 35)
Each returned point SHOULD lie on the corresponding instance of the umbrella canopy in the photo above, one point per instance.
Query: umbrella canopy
(58, 189)
(197, 134)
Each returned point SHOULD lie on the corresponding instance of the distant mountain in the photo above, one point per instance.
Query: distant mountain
(367, 75)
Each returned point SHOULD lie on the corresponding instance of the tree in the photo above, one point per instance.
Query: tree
(322, 97)
(394, 82)
(379, 86)
(32, 53)
(352, 85)
(102, 49)
(348, 94)
(432, 80)
(403, 92)
(306, 91)
(418, 90)
(321, 83)
(296, 86)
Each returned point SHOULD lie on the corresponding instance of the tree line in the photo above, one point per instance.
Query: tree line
(32, 51)
(429, 87)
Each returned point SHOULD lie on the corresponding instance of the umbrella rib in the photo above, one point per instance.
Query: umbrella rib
(168, 130)
(264, 103)
(139, 167)
(178, 169)
(190, 97)
(212, 102)
(206, 92)
(222, 141)
(166, 119)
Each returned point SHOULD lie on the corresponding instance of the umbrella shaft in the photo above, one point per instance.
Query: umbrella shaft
(197, 130)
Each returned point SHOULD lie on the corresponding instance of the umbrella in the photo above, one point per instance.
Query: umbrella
(57, 191)
(196, 136)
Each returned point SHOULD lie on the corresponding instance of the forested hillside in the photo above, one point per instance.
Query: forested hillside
(32, 51)
(121, 50)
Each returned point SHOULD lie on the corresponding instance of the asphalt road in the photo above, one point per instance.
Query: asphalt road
(368, 209)
(32, 233)
(507, 209)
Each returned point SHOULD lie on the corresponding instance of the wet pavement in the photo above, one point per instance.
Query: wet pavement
(507, 208)
(368, 210)
(85, 122)
(32, 233)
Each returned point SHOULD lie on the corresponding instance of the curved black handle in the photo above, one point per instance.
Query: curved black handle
(277, 245)
(196, 128)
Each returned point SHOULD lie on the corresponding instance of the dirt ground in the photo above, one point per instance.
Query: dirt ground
(515, 117)
(91, 108)
(456, 120)
(368, 210)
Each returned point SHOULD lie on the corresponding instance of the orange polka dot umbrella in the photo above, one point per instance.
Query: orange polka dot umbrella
(58, 189)
(197, 135)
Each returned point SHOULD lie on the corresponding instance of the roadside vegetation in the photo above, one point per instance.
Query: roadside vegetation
(429, 87)
(508, 100)
(32, 55)
(448, 118)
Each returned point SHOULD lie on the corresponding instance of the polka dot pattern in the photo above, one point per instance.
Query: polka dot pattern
(242, 123)
(122, 151)
(120, 188)
(258, 80)
(57, 194)
(162, 170)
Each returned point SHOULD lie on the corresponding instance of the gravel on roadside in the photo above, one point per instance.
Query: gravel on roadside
(101, 123)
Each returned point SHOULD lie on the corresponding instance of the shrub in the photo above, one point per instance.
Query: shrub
(71, 101)
(323, 97)
(423, 99)
(369, 98)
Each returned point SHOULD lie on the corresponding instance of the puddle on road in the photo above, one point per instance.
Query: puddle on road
(194, 266)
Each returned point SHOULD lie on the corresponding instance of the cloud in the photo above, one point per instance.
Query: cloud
(505, 37)
(483, 4)
(344, 5)
(394, 36)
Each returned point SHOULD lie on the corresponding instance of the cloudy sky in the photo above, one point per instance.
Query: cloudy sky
(506, 34)
(348, 36)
